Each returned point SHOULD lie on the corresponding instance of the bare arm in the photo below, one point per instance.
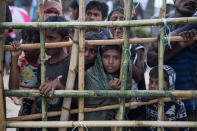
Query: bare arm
(14, 79)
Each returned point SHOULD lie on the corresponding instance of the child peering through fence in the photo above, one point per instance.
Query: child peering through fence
(56, 69)
(24, 69)
(173, 111)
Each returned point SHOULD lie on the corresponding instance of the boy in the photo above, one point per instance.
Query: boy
(104, 75)
(97, 11)
(24, 70)
(56, 68)
(173, 111)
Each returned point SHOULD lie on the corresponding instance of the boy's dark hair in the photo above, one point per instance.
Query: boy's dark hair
(62, 31)
(154, 73)
(102, 7)
(93, 36)
(30, 33)
(110, 47)
(121, 10)
(74, 4)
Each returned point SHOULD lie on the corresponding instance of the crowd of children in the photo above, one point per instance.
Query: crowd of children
(102, 66)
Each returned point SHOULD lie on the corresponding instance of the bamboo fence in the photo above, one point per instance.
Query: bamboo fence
(81, 25)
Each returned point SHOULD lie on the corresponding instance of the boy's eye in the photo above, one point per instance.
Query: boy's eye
(95, 14)
(89, 13)
(92, 51)
(105, 56)
(116, 57)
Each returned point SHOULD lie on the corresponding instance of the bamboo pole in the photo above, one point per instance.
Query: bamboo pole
(70, 79)
(161, 112)
(75, 111)
(81, 61)
(53, 124)
(2, 40)
(106, 24)
(125, 56)
(43, 59)
(106, 93)
(96, 42)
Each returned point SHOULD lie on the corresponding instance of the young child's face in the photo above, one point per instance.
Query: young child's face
(90, 54)
(94, 15)
(52, 36)
(31, 52)
(111, 60)
(154, 84)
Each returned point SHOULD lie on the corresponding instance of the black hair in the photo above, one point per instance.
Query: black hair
(102, 7)
(110, 47)
(30, 33)
(62, 31)
(154, 73)
(74, 4)
(93, 36)
(121, 10)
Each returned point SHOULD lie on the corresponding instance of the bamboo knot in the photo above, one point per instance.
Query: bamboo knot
(45, 59)
(65, 108)
(76, 42)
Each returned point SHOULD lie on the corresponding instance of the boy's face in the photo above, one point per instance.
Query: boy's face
(90, 54)
(111, 60)
(52, 36)
(154, 84)
(93, 15)
(74, 13)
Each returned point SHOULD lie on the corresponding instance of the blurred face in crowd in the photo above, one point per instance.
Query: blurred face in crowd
(94, 15)
(154, 82)
(117, 32)
(90, 54)
(111, 60)
(74, 13)
(186, 7)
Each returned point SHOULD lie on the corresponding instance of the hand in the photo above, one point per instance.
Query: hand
(115, 84)
(17, 52)
(47, 89)
(188, 35)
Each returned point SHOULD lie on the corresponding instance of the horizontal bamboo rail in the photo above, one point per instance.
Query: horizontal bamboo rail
(75, 111)
(95, 42)
(106, 93)
(97, 24)
(53, 124)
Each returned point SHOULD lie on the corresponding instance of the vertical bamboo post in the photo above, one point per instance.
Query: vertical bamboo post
(2, 40)
(81, 60)
(70, 79)
(125, 56)
(43, 68)
(161, 62)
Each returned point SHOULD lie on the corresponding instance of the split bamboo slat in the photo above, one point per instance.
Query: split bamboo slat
(70, 79)
(2, 40)
(160, 116)
(81, 61)
(43, 59)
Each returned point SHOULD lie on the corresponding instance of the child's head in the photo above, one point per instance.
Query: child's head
(31, 36)
(91, 51)
(154, 79)
(56, 34)
(96, 11)
(52, 8)
(111, 57)
(116, 15)
(74, 9)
